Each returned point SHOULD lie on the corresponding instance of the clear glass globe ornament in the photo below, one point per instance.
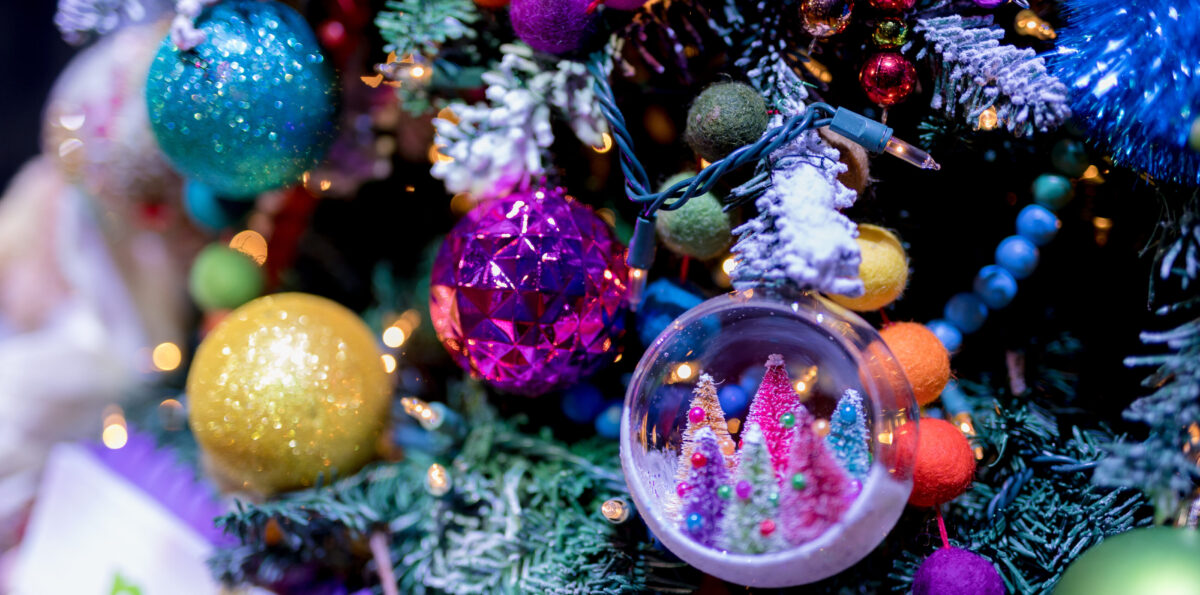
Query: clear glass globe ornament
(827, 350)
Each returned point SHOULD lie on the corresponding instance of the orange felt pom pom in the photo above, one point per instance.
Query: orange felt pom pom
(925, 360)
(945, 464)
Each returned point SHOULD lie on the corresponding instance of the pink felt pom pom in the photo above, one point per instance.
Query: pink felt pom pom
(553, 26)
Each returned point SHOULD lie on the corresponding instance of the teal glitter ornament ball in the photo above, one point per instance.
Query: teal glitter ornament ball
(1150, 561)
(249, 109)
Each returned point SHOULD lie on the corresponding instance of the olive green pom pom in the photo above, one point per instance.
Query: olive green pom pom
(699, 229)
(724, 118)
(223, 278)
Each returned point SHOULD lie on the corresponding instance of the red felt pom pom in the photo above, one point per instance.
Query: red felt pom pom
(924, 358)
(699, 460)
(945, 464)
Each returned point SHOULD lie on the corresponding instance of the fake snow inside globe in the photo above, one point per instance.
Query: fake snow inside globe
(767, 438)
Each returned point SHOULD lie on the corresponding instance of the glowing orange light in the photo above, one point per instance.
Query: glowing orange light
(166, 356)
(252, 244)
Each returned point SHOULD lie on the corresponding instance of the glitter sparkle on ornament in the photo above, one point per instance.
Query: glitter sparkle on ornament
(251, 108)
(528, 292)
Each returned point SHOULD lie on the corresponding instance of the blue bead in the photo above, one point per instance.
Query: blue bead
(608, 423)
(966, 312)
(733, 400)
(582, 403)
(250, 109)
(1070, 157)
(1018, 255)
(209, 211)
(1038, 224)
(947, 333)
(695, 522)
(995, 286)
(847, 413)
(664, 301)
(1052, 191)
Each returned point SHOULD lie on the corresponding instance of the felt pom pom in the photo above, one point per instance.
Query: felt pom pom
(951, 571)
(883, 270)
(724, 118)
(924, 358)
(553, 26)
(223, 278)
(944, 465)
(858, 162)
(699, 228)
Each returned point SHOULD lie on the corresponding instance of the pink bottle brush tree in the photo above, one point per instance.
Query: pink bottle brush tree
(774, 405)
(815, 491)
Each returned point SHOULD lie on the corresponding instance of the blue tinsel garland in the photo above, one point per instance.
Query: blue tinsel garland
(1132, 68)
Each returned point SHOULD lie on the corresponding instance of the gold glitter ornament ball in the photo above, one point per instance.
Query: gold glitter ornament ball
(285, 388)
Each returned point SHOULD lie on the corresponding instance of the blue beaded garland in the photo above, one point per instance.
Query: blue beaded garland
(608, 423)
(582, 403)
(966, 312)
(1038, 224)
(251, 108)
(995, 286)
(1052, 191)
(1070, 157)
(1018, 255)
(947, 333)
(664, 301)
(209, 211)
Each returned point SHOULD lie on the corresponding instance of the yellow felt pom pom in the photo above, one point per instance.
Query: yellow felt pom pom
(884, 269)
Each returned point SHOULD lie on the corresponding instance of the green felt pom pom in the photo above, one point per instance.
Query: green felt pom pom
(725, 117)
(223, 278)
(699, 229)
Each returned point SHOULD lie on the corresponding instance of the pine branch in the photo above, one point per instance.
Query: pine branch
(975, 72)
(522, 516)
(421, 26)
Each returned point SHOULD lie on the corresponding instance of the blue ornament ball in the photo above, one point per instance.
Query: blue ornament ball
(1052, 191)
(249, 109)
(1131, 71)
(582, 403)
(995, 286)
(1018, 255)
(664, 301)
(608, 423)
(1037, 224)
(947, 333)
(733, 399)
(966, 312)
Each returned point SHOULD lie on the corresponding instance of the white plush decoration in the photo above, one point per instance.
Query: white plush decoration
(498, 147)
(799, 238)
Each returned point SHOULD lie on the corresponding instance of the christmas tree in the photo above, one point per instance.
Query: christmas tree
(774, 411)
(312, 249)
(751, 516)
(703, 507)
(848, 439)
(815, 490)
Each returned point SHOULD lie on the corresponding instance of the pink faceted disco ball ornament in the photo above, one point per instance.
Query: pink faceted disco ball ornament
(729, 337)
(529, 292)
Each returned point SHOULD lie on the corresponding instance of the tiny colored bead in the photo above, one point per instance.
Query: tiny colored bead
(743, 489)
(966, 312)
(699, 460)
(682, 488)
(1037, 224)
(724, 492)
(995, 286)
(855, 489)
(773, 497)
(766, 527)
(1052, 191)
(947, 333)
(696, 415)
(847, 413)
(787, 420)
(1018, 255)
(695, 522)
(799, 482)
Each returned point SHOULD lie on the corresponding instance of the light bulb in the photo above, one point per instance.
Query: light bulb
(911, 154)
